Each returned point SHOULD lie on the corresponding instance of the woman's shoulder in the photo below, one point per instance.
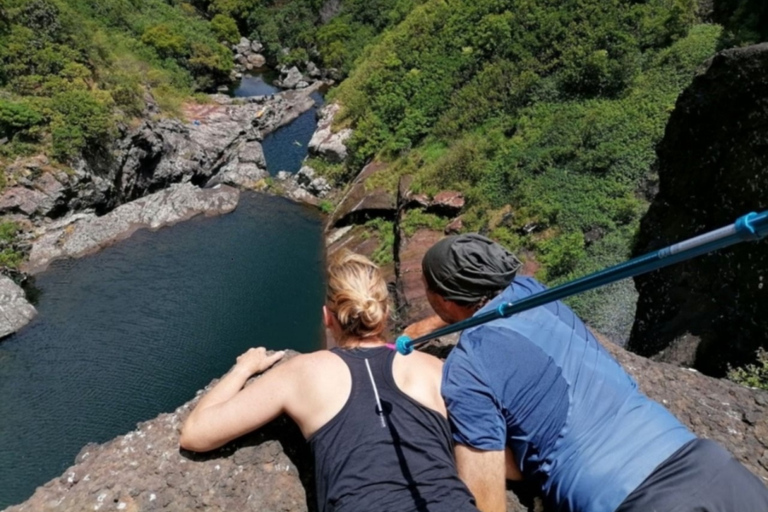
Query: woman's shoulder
(316, 363)
(421, 368)
(312, 359)
(424, 361)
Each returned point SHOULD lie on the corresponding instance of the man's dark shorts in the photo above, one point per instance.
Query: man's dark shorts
(699, 477)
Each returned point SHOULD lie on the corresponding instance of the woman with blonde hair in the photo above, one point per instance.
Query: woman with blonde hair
(374, 419)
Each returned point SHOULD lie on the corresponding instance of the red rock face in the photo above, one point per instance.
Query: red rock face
(449, 200)
(361, 204)
(414, 304)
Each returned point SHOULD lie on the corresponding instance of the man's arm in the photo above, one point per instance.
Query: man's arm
(483, 472)
(423, 327)
(513, 471)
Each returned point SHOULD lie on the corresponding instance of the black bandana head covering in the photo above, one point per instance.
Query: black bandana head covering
(468, 268)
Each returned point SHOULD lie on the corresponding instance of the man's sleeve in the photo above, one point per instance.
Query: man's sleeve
(473, 408)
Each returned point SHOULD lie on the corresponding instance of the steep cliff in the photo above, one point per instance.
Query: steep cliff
(713, 167)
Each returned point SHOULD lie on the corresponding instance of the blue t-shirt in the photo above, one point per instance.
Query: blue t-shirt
(540, 383)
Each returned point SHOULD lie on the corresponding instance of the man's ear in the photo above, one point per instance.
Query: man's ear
(327, 317)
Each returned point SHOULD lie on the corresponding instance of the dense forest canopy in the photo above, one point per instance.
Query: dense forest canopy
(72, 69)
(544, 112)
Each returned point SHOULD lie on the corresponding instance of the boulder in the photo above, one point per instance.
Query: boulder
(220, 137)
(290, 78)
(709, 312)
(325, 142)
(289, 186)
(257, 60)
(22, 200)
(447, 203)
(329, 10)
(315, 185)
(243, 47)
(256, 46)
(15, 311)
(455, 227)
(313, 71)
(361, 204)
(81, 234)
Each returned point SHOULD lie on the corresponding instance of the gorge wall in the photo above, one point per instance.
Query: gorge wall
(713, 167)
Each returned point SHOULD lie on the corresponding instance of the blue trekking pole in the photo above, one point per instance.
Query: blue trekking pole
(753, 226)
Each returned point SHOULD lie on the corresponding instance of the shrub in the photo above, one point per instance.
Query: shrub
(384, 229)
(752, 375)
(165, 40)
(225, 28)
(9, 256)
(17, 116)
(79, 119)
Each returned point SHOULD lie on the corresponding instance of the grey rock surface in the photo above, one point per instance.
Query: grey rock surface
(271, 470)
(15, 311)
(316, 185)
(327, 143)
(81, 234)
(246, 168)
(290, 78)
(257, 60)
(22, 200)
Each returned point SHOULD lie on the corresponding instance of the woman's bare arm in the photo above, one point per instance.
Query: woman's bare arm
(228, 411)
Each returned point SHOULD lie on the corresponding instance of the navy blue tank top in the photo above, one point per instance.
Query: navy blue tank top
(384, 451)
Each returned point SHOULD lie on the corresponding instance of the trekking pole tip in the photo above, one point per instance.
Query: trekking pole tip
(404, 344)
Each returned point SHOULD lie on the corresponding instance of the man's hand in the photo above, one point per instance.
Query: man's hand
(256, 360)
(423, 327)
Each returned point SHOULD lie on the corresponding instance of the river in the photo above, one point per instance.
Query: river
(137, 328)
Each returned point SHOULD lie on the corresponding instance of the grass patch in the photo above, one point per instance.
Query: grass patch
(416, 219)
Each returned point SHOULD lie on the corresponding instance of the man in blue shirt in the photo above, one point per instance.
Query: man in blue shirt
(536, 396)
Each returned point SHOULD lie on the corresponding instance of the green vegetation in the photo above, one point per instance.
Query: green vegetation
(546, 109)
(72, 70)
(326, 207)
(333, 39)
(745, 21)
(752, 375)
(335, 173)
(385, 231)
(10, 257)
(413, 220)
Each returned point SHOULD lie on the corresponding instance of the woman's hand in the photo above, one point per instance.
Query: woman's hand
(229, 410)
(256, 360)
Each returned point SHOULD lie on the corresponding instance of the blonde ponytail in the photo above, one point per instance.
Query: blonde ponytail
(357, 295)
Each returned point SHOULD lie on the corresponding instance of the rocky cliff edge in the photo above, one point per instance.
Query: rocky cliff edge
(269, 470)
